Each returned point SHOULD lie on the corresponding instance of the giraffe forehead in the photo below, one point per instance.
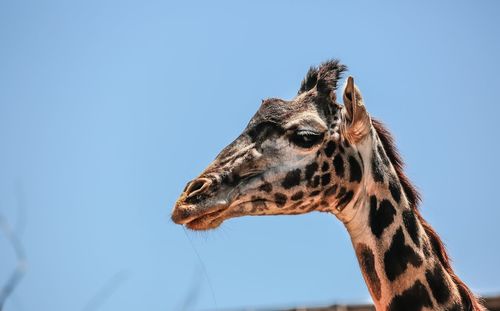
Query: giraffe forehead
(280, 111)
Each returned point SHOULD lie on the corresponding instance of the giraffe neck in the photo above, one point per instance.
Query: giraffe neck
(399, 254)
(395, 256)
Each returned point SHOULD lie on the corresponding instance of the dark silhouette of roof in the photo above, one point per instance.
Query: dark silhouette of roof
(491, 303)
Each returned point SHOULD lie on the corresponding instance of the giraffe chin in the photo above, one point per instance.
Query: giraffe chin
(206, 222)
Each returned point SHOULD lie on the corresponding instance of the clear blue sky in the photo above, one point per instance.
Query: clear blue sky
(107, 109)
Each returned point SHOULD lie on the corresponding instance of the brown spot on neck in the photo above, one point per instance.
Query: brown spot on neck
(366, 260)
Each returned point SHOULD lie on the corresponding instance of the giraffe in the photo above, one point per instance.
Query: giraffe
(313, 154)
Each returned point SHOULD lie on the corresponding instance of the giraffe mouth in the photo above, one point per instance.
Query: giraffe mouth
(195, 218)
(215, 218)
(216, 215)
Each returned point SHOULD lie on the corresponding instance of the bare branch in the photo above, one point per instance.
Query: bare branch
(20, 268)
(106, 291)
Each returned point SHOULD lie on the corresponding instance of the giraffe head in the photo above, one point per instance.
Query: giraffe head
(293, 157)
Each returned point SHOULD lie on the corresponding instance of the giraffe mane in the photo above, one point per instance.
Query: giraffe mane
(414, 199)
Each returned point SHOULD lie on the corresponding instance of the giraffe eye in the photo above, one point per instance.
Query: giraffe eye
(306, 138)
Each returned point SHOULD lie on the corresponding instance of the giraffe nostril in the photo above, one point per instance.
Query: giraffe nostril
(197, 186)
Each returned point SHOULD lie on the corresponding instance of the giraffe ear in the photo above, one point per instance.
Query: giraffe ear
(358, 123)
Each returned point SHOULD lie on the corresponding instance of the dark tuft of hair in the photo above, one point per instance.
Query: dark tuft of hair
(324, 77)
(438, 248)
(309, 81)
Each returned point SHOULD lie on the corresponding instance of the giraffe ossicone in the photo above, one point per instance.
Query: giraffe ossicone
(313, 154)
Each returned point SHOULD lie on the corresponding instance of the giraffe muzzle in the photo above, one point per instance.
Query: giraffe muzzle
(208, 199)
(199, 205)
